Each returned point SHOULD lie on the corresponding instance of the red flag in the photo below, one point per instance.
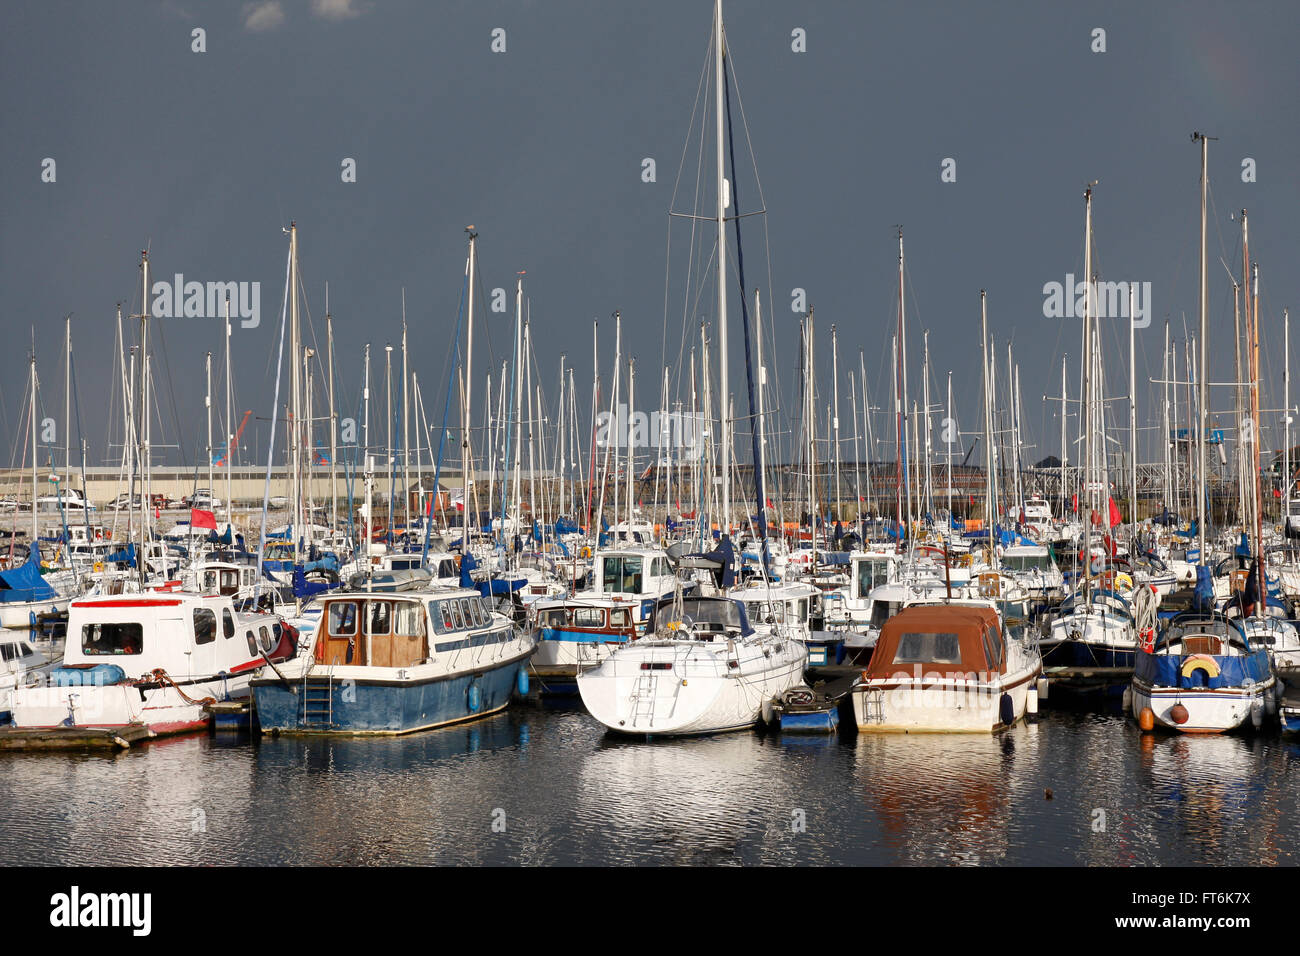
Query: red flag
(202, 519)
(1115, 516)
(157, 512)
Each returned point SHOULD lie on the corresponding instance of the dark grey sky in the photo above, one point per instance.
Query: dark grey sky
(203, 157)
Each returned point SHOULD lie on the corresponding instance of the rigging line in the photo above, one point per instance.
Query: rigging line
(681, 165)
(275, 409)
(744, 314)
(691, 256)
(171, 391)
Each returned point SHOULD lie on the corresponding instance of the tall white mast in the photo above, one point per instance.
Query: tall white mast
(835, 416)
(1132, 419)
(207, 409)
(723, 203)
(762, 382)
(230, 435)
(35, 491)
(1203, 395)
(468, 437)
(329, 354)
(1286, 420)
(1088, 501)
(986, 365)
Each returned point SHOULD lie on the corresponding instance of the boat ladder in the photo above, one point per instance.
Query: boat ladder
(643, 697)
(317, 700)
(873, 705)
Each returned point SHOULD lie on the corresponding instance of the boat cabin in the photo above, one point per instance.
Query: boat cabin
(585, 620)
(636, 572)
(394, 629)
(180, 632)
(940, 641)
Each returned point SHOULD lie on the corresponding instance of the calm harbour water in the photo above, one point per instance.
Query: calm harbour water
(543, 784)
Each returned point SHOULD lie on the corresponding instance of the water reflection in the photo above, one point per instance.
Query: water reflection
(549, 786)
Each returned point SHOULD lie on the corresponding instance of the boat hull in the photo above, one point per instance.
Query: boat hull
(21, 615)
(353, 702)
(942, 705)
(162, 709)
(688, 688)
(1208, 711)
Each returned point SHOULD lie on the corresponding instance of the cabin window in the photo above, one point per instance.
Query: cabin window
(446, 568)
(620, 617)
(552, 618)
(343, 618)
(588, 617)
(622, 574)
(381, 617)
(227, 622)
(205, 625)
(467, 608)
(265, 635)
(408, 619)
(229, 582)
(928, 649)
(481, 616)
(444, 610)
(993, 647)
(8, 652)
(457, 620)
(871, 574)
(882, 611)
(209, 582)
(252, 643)
(104, 639)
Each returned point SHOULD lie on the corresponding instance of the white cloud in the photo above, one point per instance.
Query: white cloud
(263, 15)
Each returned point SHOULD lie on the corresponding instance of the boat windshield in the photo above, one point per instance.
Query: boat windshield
(712, 614)
(915, 648)
(1027, 562)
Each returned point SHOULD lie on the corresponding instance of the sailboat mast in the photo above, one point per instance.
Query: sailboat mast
(35, 492)
(329, 353)
(762, 382)
(724, 388)
(230, 435)
(207, 408)
(142, 430)
(988, 424)
(835, 417)
(295, 387)
(948, 441)
(1164, 422)
(466, 437)
(1132, 421)
(1203, 396)
(67, 394)
(1088, 489)
(1254, 440)
(469, 374)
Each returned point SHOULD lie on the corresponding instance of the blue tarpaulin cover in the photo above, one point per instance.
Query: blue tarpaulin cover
(24, 583)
